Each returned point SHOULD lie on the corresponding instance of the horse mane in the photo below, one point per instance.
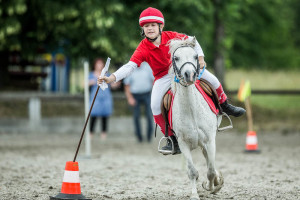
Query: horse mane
(179, 42)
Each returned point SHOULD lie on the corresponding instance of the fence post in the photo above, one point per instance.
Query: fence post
(86, 108)
(34, 111)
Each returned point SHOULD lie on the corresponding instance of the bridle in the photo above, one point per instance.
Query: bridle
(177, 71)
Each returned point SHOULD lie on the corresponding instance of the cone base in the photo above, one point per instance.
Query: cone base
(252, 151)
(62, 196)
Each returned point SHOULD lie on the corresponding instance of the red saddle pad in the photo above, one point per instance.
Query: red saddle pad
(207, 98)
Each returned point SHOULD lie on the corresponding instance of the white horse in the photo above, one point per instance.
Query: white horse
(193, 121)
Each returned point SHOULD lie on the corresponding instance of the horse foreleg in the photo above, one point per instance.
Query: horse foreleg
(191, 170)
(215, 184)
(209, 152)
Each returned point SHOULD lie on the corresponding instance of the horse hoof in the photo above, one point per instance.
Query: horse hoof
(217, 189)
(219, 179)
(219, 186)
(204, 185)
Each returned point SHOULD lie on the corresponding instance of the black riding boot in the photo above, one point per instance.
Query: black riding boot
(232, 110)
(168, 146)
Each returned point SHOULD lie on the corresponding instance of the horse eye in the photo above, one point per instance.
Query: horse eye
(176, 58)
(196, 57)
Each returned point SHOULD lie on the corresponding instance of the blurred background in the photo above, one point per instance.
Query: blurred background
(43, 45)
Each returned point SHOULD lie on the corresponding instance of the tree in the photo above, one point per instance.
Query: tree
(258, 35)
(219, 34)
(232, 33)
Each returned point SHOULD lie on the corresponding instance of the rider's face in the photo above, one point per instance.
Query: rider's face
(99, 65)
(152, 30)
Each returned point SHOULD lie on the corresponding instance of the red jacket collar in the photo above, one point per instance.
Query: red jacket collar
(152, 46)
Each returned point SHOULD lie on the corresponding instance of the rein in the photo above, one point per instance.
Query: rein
(201, 72)
(177, 71)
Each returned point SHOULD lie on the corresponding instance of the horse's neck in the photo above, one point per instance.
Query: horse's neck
(183, 93)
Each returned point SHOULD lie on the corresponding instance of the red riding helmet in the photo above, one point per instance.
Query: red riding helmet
(151, 15)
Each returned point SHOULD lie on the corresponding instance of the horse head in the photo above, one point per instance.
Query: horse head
(185, 61)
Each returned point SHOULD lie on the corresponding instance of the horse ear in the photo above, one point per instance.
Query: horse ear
(194, 41)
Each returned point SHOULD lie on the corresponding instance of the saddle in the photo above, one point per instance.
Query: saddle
(207, 88)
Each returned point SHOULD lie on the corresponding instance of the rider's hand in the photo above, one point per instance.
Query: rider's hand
(106, 79)
(202, 62)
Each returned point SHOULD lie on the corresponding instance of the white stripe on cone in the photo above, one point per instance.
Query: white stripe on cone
(251, 140)
(71, 177)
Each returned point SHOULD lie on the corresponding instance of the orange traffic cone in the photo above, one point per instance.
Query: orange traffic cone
(71, 186)
(251, 142)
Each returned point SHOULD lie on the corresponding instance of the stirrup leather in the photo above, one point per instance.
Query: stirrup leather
(166, 152)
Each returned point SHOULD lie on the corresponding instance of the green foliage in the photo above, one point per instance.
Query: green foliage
(259, 34)
(264, 34)
(10, 28)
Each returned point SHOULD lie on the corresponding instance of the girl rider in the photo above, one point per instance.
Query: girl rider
(154, 50)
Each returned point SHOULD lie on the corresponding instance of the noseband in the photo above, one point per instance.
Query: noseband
(177, 71)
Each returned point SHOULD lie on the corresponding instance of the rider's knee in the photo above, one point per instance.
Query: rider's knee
(155, 107)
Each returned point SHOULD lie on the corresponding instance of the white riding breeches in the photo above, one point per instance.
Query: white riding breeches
(162, 85)
(211, 78)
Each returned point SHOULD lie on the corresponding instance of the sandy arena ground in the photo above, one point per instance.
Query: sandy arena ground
(32, 167)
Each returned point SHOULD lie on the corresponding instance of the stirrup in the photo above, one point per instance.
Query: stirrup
(166, 152)
(225, 127)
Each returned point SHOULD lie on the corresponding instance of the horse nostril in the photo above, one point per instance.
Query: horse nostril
(187, 75)
(192, 76)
